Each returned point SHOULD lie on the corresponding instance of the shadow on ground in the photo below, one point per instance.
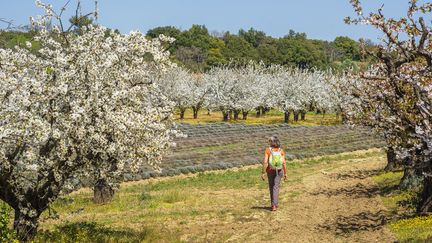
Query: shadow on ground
(93, 232)
(359, 190)
(362, 174)
(367, 220)
(364, 221)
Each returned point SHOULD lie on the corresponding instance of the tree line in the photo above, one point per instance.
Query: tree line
(199, 49)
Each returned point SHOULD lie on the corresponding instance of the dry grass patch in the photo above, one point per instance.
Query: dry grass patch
(272, 117)
(214, 206)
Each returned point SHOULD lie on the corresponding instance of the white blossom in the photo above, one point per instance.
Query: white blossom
(85, 105)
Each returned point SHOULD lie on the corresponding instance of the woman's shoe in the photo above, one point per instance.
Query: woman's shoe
(274, 208)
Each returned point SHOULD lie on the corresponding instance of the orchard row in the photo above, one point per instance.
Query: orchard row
(237, 90)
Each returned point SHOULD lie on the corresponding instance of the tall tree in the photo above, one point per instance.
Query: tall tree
(298, 51)
(254, 37)
(84, 107)
(347, 47)
(238, 49)
(268, 52)
(395, 95)
(170, 31)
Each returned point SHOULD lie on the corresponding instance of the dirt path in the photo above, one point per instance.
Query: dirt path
(336, 202)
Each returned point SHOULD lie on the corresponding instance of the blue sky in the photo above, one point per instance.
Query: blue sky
(319, 19)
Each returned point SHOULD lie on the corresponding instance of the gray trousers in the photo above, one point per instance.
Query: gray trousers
(274, 180)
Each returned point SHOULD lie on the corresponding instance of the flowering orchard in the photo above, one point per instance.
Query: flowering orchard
(92, 103)
(84, 106)
(241, 89)
(185, 89)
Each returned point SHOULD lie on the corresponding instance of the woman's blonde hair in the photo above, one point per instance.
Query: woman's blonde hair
(274, 141)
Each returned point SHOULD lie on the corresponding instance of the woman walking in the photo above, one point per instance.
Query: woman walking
(274, 165)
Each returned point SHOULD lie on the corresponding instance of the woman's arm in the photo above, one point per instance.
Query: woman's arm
(284, 166)
(264, 167)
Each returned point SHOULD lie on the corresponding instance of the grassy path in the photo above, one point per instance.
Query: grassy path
(327, 199)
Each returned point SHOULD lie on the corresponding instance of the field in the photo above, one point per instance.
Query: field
(210, 191)
(219, 146)
(336, 198)
(88, 114)
(271, 117)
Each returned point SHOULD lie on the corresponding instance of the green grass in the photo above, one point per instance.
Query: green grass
(388, 179)
(226, 180)
(332, 158)
(391, 199)
(93, 232)
(6, 232)
(412, 229)
(293, 194)
(417, 229)
(247, 178)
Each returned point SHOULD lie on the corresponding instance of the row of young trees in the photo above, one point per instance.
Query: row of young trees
(240, 89)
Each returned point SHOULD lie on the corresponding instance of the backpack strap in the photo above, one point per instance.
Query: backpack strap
(279, 150)
(270, 156)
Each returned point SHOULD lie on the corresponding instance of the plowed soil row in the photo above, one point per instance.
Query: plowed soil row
(222, 146)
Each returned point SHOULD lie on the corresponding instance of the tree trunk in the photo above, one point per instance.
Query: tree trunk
(410, 179)
(195, 112)
(263, 111)
(296, 116)
(236, 115)
(182, 112)
(287, 115)
(344, 117)
(258, 112)
(303, 115)
(311, 107)
(25, 226)
(230, 114)
(425, 205)
(208, 112)
(225, 116)
(245, 114)
(391, 160)
(102, 192)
